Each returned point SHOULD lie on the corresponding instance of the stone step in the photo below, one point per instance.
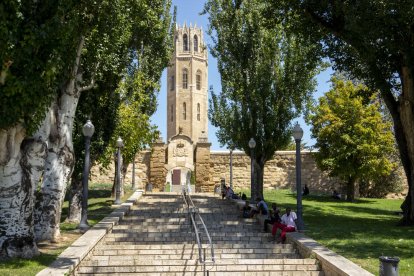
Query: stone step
(172, 246)
(173, 252)
(291, 264)
(184, 229)
(169, 237)
(195, 255)
(138, 268)
(215, 273)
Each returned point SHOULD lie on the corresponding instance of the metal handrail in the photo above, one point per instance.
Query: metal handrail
(192, 210)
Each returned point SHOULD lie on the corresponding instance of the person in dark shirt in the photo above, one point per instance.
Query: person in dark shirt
(274, 216)
(305, 191)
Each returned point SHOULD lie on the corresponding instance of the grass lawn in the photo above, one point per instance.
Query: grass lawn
(361, 231)
(100, 202)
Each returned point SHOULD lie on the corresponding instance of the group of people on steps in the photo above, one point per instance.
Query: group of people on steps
(286, 222)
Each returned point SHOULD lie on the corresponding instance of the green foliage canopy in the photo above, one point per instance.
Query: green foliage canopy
(267, 76)
(352, 138)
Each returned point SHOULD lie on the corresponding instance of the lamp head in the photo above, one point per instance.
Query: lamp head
(297, 132)
(252, 143)
(119, 142)
(88, 129)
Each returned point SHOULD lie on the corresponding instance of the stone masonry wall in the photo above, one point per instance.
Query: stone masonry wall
(142, 165)
(158, 171)
(279, 172)
(202, 167)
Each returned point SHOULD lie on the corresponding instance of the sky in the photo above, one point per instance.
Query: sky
(189, 11)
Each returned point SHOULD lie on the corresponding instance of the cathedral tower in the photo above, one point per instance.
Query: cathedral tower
(187, 85)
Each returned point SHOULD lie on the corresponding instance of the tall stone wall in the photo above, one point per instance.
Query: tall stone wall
(202, 167)
(142, 165)
(212, 166)
(158, 172)
(280, 172)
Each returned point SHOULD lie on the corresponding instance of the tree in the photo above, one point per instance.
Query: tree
(352, 138)
(53, 51)
(32, 36)
(124, 103)
(373, 41)
(267, 76)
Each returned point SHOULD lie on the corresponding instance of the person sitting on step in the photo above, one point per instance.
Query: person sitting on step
(287, 224)
(246, 211)
(262, 208)
(274, 216)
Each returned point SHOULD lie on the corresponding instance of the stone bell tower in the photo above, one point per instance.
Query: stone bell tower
(187, 85)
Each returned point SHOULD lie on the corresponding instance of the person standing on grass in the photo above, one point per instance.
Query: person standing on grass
(287, 224)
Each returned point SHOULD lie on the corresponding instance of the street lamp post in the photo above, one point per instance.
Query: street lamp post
(119, 145)
(133, 174)
(252, 145)
(88, 130)
(231, 168)
(297, 135)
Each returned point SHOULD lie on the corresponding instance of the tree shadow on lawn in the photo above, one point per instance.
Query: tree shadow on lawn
(328, 198)
(359, 237)
(95, 210)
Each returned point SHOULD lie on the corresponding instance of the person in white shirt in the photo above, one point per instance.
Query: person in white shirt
(287, 224)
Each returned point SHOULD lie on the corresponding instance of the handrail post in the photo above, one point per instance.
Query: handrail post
(204, 262)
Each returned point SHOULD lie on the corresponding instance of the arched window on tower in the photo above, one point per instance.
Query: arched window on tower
(172, 83)
(172, 113)
(185, 43)
(198, 80)
(198, 112)
(195, 43)
(184, 111)
(185, 79)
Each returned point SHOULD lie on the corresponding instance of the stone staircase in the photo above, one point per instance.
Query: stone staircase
(157, 238)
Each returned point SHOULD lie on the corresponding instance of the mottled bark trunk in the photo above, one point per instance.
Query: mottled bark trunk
(122, 178)
(21, 165)
(406, 111)
(58, 168)
(60, 160)
(75, 200)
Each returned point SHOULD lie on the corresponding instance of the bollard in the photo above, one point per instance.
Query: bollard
(388, 266)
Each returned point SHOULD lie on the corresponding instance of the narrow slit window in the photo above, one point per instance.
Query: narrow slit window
(172, 113)
(172, 83)
(184, 111)
(195, 43)
(198, 112)
(185, 79)
(185, 43)
(198, 80)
